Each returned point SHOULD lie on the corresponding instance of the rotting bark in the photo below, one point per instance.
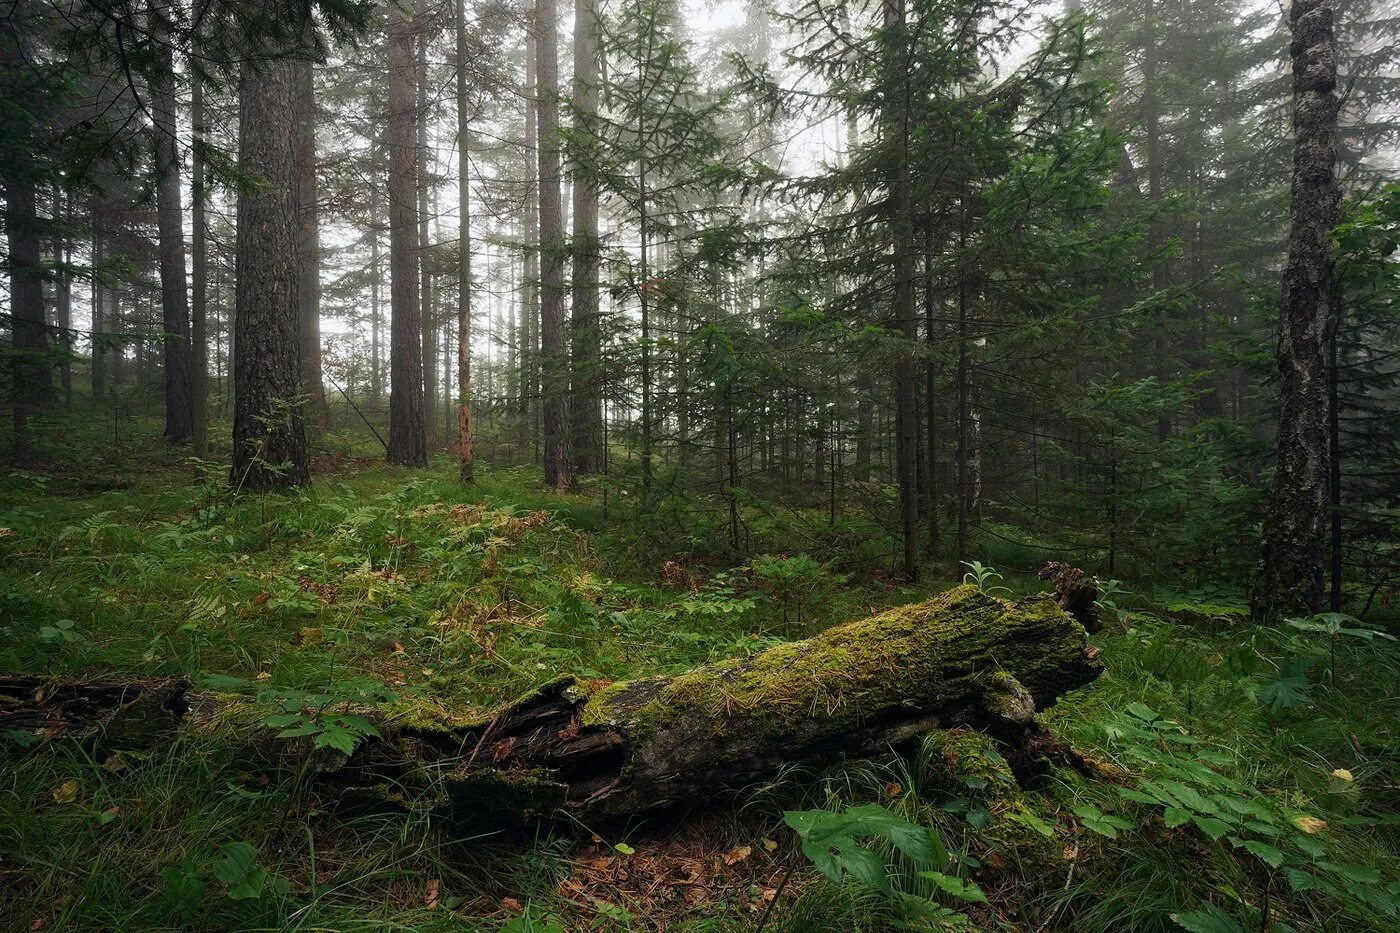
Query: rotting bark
(961, 660)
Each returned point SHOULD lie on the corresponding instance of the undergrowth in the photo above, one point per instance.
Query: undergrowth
(1245, 775)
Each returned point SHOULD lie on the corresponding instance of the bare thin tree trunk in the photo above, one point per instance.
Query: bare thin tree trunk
(199, 324)
(1295, 536)
(408, 442)
(269, 436)
(586, 402)
(558, 450)
(170, 221)
(466, 451)
(425, 278)
(906, 429)
(63, 290)
(309, 243)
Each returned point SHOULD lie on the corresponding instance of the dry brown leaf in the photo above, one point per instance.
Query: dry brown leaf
(67, 792)
(432, 897)
(510, 903)
(769, 845)
(737, 854)
(1310, 824)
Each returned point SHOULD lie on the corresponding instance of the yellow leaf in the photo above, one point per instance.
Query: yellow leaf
(1310, 824)
(737, 854)
(67, 792)
(769, 845)
(1343, 774)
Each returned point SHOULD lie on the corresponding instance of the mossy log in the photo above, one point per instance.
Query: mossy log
(963, 659)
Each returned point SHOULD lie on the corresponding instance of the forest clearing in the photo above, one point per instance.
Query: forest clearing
(700, 465)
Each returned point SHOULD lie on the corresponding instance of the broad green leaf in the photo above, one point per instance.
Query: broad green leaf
(235, 861)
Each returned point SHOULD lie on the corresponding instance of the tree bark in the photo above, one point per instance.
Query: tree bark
(408, 442)
(199, 280)
(466, 447)
(963, 659)
(424, 248)
(309, 244)
(269, 436)
(586, 403)
(1295, 537)
(901, 197)
(170, 221)
(558, 449)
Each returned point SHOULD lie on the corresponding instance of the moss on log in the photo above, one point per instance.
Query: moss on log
(963, 659)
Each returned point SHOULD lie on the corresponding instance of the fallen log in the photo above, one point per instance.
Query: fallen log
(963, 659)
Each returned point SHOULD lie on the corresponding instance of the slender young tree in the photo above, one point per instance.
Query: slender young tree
(175, 307)
(408, 442)
(466, 449)
(1295, 531)
(269, 435)
(199, 277)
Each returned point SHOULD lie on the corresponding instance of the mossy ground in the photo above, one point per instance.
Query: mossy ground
(125, 565)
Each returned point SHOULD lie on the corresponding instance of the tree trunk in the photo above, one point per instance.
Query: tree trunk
(170, 221)
(199, 324)
(424, 250)
(1295, 537)
(962, 659)
(309, 244)
(408, 442)
(586, 403)
(269, 436)
(466, 450)
(901, 197)
(63, 290)
(558, 449)
(32, 379)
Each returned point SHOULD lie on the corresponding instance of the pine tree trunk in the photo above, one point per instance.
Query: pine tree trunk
(309, 244)
(1295, 536)
(586, 408)
(408, 442)
(170, 220)
(199, 256)
(30, 367)
(269, 436)
(63, 292)
(466, 449)
(558, 447)
(424, 250)
(901, 197)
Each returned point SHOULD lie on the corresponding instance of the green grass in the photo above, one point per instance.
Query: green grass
(126, 564)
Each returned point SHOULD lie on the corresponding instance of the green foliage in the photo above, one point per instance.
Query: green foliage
(832, 842)
(981, 576)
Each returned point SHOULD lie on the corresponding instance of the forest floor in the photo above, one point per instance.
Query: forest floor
(1247, 775)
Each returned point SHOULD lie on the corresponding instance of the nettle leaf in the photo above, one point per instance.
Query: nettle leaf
(1104, 824)
(957, 887)
(1175, 816)
(1265, 853)
(1213, 828)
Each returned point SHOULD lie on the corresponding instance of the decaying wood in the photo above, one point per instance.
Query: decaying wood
(963, 659)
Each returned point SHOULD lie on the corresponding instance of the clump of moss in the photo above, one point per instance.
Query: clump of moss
(965, 760)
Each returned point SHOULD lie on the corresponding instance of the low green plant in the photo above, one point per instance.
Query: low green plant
(981, 576)
(833, 842)
(1333, 624)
